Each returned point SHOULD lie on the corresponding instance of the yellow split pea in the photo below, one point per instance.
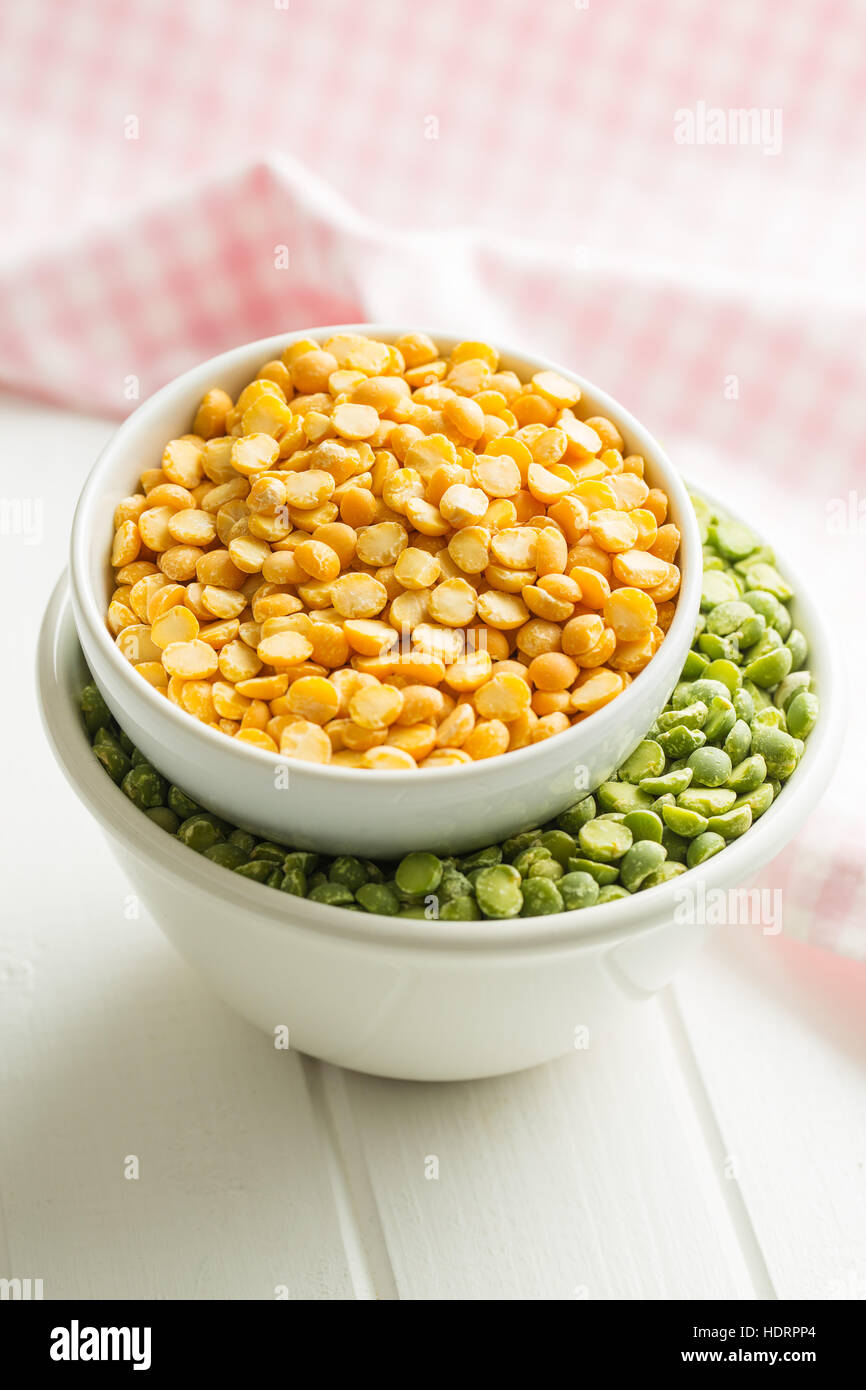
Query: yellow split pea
(388, 556)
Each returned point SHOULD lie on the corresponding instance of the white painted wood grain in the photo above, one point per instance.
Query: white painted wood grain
(778, 1031)
(112, 1047)
(589, 1178)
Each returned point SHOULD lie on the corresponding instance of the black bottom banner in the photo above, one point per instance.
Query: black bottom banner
(156, 1339)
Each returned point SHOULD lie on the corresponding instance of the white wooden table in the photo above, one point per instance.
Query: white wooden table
(715, 1148)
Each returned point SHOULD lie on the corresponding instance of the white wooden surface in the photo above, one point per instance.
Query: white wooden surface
(716, 1147)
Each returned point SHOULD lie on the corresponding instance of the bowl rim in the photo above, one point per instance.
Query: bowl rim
(192, 731)
(603, 923)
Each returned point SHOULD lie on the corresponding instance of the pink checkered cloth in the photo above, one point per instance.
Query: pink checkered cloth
(180, 179)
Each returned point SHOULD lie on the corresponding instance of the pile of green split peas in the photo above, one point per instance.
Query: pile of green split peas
(731, 734)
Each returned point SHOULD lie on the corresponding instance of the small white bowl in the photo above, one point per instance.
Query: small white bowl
(344, 809)
(423, 1000)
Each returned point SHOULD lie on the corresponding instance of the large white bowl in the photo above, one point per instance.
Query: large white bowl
(344, 809)
(400, 997)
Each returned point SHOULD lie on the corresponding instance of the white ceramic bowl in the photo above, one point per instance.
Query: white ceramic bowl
(343, 809)
(410, 998)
